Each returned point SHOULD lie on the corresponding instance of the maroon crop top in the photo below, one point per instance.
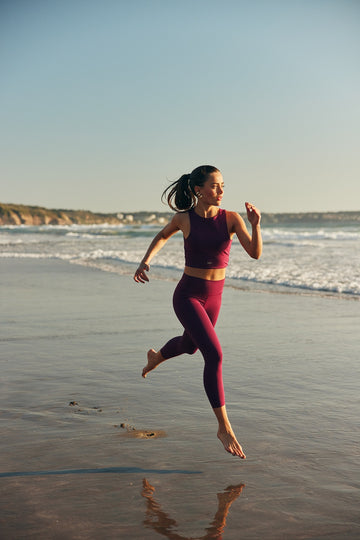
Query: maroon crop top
(208, 244)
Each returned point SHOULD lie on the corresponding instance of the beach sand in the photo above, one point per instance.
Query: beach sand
(90, 449)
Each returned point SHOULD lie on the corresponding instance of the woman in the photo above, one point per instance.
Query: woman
(208, 231)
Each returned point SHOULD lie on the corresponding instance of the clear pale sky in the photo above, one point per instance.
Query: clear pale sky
(103, 102)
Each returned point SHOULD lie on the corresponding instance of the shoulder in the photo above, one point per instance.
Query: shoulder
(235, 221)
(180, 218)
(232, 216)
(181, 221)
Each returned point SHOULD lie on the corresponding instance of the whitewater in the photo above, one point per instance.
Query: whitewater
(297, 258)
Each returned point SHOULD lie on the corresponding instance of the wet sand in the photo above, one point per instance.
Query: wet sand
(92, 450)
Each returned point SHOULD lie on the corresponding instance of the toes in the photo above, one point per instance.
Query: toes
(235, 450)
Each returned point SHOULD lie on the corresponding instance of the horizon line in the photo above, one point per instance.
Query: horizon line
(169, 210)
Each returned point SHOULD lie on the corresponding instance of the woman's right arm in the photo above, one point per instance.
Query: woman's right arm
(158, 242)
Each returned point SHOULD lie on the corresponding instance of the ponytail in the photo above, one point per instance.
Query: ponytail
(180, 195)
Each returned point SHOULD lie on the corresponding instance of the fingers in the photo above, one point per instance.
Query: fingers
(140, 277)
(250, 207)
(253, 213)
(140, 274)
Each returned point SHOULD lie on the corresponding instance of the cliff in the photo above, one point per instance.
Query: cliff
(17, 214)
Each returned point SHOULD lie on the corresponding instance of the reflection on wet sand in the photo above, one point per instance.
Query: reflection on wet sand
(163, 524)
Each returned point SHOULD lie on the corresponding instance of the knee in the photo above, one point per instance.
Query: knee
(218, 359)
(190, 348)
(214, 357)
(187, 345)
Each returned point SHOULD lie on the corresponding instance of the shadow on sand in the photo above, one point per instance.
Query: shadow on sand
(107, 470)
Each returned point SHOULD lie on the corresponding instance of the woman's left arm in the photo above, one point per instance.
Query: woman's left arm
(252, 244)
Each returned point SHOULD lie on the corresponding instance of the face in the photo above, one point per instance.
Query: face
(213, 189)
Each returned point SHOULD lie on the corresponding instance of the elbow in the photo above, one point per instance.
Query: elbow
(255, 254)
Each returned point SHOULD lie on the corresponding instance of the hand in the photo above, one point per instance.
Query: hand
(140, 275)
(253, 214)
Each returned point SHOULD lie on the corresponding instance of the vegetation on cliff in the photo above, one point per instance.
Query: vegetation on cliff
(17, 214)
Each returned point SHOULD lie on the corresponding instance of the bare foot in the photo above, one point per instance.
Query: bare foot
(154, 359)
(230, 443)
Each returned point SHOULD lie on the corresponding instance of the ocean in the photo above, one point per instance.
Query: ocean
(299, 258)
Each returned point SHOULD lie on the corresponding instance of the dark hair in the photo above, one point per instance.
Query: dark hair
(180, 195)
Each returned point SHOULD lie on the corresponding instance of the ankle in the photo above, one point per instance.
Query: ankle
(225, 427)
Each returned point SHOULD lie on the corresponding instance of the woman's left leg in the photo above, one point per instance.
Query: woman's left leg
(197, 306)
(213, 383)
(205, 337)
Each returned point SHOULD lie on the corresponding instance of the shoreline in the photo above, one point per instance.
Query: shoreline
(71, 334)
(240, 285)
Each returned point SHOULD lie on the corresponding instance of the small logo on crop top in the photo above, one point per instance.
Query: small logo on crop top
(209, 262)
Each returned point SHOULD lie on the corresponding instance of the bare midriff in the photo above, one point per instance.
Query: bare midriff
(210, 274)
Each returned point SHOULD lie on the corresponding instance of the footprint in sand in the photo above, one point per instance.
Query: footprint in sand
(84, 410)
(131, 431)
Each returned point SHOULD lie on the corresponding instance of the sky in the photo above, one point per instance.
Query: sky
(104, 102)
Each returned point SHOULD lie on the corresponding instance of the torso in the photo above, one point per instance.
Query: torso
(210, 274)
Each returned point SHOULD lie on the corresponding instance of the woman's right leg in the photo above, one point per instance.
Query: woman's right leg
(174, 347)
(197, 311)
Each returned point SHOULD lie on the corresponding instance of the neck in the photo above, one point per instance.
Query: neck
(205, 210)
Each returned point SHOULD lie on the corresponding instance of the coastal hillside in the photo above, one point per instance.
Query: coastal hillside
(17, 214)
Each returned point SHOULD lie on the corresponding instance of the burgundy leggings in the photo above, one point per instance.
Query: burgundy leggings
(197, 304)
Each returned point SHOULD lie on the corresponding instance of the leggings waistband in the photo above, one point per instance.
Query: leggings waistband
(204, 287)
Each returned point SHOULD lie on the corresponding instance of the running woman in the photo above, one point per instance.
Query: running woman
(208, 232)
